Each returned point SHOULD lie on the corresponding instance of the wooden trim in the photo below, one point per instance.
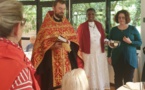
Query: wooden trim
(25, 38)
(112, 84)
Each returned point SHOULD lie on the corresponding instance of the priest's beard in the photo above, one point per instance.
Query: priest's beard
(59, 15)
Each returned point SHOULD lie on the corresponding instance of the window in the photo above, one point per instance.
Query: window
(30, 26)
(132, 6)
(44, 11)
(47, 0)
(79, 12)
(26, 0)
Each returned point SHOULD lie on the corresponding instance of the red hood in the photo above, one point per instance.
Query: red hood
(51, 13)
(9, 51)
(10, 63)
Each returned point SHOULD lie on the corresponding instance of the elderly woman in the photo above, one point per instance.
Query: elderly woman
(16, 70)
(124, 57)
(75, 80)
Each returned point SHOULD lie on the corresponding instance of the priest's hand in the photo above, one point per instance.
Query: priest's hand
(56, 45)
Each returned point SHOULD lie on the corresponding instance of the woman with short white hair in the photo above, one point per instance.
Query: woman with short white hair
(75, 80)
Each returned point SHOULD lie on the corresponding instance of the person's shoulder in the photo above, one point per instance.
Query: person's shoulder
(133, 28)
(83, 24)
(97, 22)
(114, 28)
(86, 22)
(130, 26)
(29, 45)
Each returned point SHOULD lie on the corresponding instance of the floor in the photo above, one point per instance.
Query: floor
(112, 88)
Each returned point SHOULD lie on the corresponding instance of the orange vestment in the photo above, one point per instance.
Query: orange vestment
(46, 37)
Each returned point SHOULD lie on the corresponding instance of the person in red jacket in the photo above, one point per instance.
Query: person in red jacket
(17, 73)
(91, 39)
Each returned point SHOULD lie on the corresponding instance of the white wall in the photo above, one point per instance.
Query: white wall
(142, 31)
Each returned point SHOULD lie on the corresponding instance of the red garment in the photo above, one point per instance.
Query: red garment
(60, 61)
(12, 62)
(23, 81)
(84, 36)
(48, 34)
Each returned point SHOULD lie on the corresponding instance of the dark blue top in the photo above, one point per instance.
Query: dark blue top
(127, 51)
(29, 47)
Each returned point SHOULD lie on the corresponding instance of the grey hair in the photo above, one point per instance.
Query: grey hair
(11, 13)
(75, 80)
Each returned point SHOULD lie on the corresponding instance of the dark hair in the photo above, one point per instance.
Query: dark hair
(90, 9)
(126, 13)
(58, 1)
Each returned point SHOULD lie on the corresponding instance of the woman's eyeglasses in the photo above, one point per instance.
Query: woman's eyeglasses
(23, 21)
(121, 17)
